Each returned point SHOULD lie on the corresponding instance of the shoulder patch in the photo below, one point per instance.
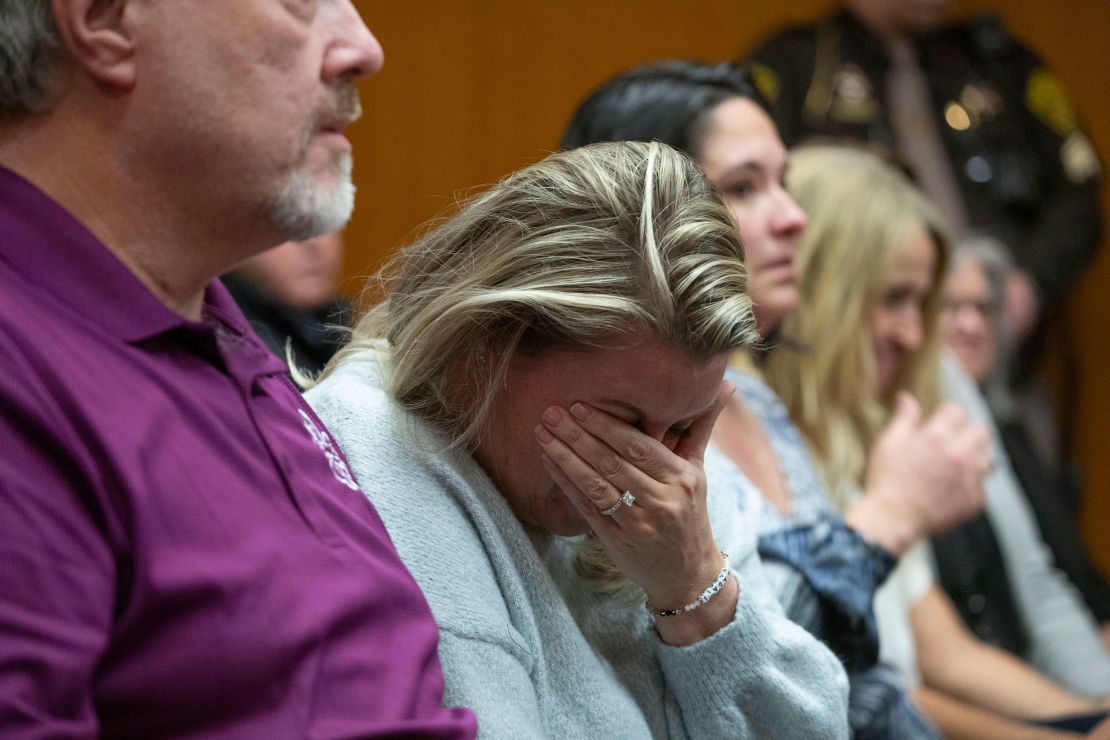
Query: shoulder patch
(853, 96)
(1045, 99)
(766, 81)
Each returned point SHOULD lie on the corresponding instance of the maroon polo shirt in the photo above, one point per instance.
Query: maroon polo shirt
(183, 549)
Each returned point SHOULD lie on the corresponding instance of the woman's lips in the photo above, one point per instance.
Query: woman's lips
(781, 268)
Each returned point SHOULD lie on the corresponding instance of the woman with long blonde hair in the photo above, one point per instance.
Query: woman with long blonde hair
(863, 346)
(841, 390)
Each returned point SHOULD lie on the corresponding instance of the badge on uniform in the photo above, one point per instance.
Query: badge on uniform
(978, 102)
(853, 96)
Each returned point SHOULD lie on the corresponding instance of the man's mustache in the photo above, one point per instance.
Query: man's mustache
(344, 107)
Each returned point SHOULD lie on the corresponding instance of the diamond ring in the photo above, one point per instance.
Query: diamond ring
(626, 499)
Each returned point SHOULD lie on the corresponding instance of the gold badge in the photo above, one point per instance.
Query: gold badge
(854, 100)
(959, 117)
(1078, 158)
(980, 100)
(1045, 99)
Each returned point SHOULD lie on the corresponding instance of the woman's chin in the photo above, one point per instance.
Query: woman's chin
(769, 315)
(569, 526)
(558, 517)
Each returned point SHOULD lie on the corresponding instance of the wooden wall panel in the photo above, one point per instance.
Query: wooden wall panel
(473, 89)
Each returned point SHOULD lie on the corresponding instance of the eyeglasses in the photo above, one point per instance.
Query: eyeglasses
(985, 308)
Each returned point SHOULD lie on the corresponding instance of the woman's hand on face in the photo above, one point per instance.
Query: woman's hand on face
(663, 542)
(923, 477)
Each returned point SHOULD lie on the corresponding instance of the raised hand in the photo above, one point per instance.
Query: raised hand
(662, 541)
(923, 477)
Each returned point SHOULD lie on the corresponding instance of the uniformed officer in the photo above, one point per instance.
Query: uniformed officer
(1012, 159)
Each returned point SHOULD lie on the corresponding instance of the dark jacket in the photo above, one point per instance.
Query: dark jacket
(1027, 173)
(313, 336)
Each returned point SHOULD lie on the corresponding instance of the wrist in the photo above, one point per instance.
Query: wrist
(690, 584)
(703, 596)
(698, 624)
(882, 525)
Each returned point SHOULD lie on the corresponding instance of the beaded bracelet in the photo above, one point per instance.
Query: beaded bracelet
(705, 595)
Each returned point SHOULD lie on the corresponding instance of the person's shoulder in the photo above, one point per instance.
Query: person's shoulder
(25, 393)
(987, 38)
(353, 387)
(46, 366)
(31, 331)
(783, 50)
(791, 36)
(427, 495)
(785, 59)
(799, 38)
(750, 386)
(390, 449)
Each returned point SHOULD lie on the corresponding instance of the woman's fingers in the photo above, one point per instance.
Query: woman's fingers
(662, 541)
(600, 469)
(692, 446)
(580, 479)
(585, 506)
(613, 446)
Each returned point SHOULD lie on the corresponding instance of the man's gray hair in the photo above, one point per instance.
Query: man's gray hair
(29, 49)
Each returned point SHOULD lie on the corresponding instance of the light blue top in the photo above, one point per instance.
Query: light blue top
(809, 502)
(532, 650)
(827, 577)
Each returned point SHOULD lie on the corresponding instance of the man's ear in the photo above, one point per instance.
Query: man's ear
(99, 39)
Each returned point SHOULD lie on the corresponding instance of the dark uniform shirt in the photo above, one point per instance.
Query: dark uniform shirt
(1026, 172)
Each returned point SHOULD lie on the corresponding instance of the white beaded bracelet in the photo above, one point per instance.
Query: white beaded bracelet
(703, 597)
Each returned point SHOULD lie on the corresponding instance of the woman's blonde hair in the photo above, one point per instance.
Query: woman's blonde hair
(587, 249)
(862, 214)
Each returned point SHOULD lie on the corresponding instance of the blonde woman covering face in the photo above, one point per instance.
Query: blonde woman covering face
(548, 364)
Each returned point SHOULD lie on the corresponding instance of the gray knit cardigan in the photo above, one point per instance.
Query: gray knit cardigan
(527, 645)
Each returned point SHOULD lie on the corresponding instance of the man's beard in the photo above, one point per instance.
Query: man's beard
(306, 208)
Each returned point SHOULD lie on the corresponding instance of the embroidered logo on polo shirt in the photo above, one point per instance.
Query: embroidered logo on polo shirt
(335, 461)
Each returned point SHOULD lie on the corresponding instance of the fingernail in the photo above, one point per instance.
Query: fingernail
(580, 411)
(543, 435)
(552, 415)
